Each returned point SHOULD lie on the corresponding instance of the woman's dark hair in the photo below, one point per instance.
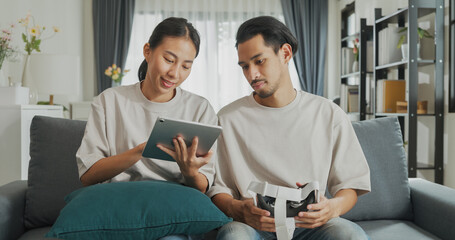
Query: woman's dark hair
(170, 27)
(274, 32)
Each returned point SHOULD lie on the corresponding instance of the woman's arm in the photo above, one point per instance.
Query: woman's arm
(109, 167)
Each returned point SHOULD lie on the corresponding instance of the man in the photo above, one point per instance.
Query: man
(287, 138)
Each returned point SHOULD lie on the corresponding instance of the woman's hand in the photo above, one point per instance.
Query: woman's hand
(185, 157)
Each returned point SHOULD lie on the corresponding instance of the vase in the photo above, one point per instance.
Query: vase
(405, 51)
(355, 66)
(116, 83)
(27, 81)
(3, 80)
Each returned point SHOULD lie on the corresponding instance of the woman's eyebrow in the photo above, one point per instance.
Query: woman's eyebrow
(175, 56)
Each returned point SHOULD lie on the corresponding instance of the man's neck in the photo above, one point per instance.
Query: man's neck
(282, 97)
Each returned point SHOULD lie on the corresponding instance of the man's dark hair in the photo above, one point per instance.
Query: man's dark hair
(274, 32)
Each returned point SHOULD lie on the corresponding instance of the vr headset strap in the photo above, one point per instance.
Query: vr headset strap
(284, 226)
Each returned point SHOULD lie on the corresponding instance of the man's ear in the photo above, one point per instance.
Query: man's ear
(287, 52)
(146, 50)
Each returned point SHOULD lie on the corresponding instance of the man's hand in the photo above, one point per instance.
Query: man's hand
(256, 217)
(319, 215)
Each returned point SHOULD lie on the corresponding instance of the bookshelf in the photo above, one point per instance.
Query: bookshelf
(408, 70)
(356, 79)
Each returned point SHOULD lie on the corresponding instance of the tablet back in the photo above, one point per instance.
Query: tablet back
(166, 129)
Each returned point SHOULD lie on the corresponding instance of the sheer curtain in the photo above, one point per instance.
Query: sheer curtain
(215, 74)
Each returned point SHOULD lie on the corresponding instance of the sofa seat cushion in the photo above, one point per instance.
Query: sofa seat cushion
(390, 196)
(35, 234)
(394, 230)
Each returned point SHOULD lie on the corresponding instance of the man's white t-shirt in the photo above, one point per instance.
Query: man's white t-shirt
(310, 139)
(122, 118)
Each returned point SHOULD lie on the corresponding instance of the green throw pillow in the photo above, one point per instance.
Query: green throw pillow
(136, 210)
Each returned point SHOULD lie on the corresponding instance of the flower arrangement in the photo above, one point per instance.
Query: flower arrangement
(355, 50)
(420, 31)
(115, 73)
(34, 34)
(6, 50)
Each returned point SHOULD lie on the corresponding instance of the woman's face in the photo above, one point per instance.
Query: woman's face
(169, 64)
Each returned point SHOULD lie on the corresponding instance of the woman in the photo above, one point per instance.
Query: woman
(123, 117)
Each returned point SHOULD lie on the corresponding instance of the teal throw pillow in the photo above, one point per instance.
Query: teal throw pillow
(136, 210)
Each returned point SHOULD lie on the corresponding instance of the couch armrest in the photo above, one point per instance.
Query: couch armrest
(434, 207)
(12, 204)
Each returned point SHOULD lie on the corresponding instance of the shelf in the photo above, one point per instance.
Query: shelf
(350, 37)
(423, 166)
(402, 14)
(354, 74)
(391, 114)
(420, 62)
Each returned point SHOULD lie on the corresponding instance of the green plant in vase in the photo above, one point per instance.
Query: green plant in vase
(422, 33)
(6, 51)
(32, 37)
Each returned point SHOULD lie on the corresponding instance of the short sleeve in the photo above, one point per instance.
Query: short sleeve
(209, 117)
(94, 145)
(223, 182)
(349, 168)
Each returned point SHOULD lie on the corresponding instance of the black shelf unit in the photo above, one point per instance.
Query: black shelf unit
(410, 15)
(365, 34)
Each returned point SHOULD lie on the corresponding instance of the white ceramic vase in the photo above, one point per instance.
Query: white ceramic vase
(27, 81)
(355, 66)
(3, 79)
(405, 51)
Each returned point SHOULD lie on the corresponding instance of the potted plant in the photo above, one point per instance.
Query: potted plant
(404, 46)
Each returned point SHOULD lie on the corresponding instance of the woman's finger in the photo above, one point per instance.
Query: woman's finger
(193, 148)
(183, 147)
(167, 150)
(177, 148)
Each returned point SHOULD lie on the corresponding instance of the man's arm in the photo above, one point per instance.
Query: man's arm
(327, 209)
(245, 211)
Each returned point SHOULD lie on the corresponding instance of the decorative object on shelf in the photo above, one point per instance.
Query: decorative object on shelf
(422, 107)
(32, 38)
(404, 46)
(115, 73)
(6, 51)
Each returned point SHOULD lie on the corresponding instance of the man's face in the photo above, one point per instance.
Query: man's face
(261, 66)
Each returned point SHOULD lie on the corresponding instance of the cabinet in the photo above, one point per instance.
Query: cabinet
(354, 82)
(408, 70)
(15, 123)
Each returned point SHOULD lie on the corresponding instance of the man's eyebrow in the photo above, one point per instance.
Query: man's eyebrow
(175, 56)
(253, 57)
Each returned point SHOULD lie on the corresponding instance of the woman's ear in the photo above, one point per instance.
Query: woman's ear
(147, 51)
(287, 52)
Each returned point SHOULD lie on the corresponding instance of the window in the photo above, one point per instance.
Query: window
(215, 73)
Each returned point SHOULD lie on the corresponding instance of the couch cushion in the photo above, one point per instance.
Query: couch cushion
(52, 172)
(382, 144)
(36, 234)
(136, 210)
(394, 230)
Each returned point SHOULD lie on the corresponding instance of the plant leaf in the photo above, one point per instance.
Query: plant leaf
(24, 38)
(400, 41)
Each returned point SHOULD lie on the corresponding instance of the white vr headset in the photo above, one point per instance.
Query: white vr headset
(284, 203)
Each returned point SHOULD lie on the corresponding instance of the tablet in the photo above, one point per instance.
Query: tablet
(166, 129)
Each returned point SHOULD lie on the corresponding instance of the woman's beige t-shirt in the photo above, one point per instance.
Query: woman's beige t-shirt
(122, 118)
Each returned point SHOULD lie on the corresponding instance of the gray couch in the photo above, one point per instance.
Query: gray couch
(395, 209)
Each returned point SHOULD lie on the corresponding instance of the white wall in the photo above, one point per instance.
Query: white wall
(365, 9)
(75, 38)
